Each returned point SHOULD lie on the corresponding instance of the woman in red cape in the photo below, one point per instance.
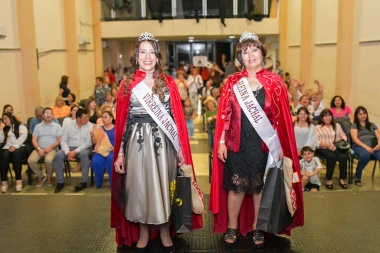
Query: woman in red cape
(128, 232)
(276, 107)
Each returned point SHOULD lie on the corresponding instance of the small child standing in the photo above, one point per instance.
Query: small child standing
(310, 169)
(190, 115)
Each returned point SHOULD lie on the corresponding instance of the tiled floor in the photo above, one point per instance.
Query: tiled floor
(37, 220)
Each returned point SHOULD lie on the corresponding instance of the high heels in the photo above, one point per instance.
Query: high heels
(18, 185)
(141, 250)
(343, 185)
(329, 186)
(169, 249)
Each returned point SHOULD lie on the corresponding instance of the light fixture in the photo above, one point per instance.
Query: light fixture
(231, 37)
(120, 56)
(191, 38)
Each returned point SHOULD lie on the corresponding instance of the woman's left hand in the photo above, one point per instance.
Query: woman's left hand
(377, 147)
(181, 158)
(11, 149)
(281, 156)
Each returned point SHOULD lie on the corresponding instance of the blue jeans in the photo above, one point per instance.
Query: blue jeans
(190, 127)
(364, 158)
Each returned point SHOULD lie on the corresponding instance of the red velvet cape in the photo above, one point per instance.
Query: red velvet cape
(128, 232)
(276, 100)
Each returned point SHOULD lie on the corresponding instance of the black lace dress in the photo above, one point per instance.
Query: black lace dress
(244, 171)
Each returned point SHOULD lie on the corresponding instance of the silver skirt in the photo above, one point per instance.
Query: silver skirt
(151, 164)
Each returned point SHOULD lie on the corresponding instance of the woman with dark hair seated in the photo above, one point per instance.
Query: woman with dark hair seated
(102, 161)
(304, 131)
(12, 138)
(365, 137)
(340, 111)
(328, 132)
(9, 108)
(71, 100)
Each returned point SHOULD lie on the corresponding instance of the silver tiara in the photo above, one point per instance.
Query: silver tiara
(248, 36)
(146, 36)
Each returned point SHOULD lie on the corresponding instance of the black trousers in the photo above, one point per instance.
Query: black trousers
(331, 158)
(15, 158)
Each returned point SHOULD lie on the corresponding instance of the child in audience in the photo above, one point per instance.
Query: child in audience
(310, 169)
(190, 115)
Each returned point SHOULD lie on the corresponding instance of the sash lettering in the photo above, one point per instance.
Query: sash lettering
(258, 119)
(157, 111)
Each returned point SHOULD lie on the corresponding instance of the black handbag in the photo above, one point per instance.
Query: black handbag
(342, 145)
(274, 215)
(181, 206)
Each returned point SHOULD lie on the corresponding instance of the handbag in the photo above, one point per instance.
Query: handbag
(181, 204)
(274, 215)
(342, 145)
(374, 142)
(103, 145)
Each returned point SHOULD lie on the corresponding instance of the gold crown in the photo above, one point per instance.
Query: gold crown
(248, 36)
(146, 36)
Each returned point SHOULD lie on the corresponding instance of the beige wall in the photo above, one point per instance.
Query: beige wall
(364, 71)
(10, 58)
(50, 39)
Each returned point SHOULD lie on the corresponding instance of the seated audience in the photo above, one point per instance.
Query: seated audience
(365, 137)
(75, 143)
(13, 135)
(328, 132)
(100, 91)
(317, 100)
(9, 108)
(304, 131)
(104, 108)
(310, 169)
(71, 100)
(46, 139)
(215, 94)
(92, 110)
(60, 109)
(72, 118)
(100, 161)
(182, 85)
(109, 100)
(340, 111)
(114, 92)
(39, 112)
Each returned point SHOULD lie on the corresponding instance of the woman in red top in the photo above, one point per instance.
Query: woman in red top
(146, 159)
(240, 155)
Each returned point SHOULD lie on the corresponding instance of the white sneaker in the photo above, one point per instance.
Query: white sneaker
(4, 187)
(18, 185)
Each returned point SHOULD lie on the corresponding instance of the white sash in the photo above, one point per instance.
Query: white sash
(157, 111)
(259, 121)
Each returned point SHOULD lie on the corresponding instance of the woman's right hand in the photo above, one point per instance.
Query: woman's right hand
(370, 150)
(119, 164)
(222, 152)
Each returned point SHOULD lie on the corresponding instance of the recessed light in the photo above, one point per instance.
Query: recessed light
(231, 37)
(191, 38)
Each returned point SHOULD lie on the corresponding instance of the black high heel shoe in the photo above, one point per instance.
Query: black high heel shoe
(141, 250)
(344, 186)
(169, 249)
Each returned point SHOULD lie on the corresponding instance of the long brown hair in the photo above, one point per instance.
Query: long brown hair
(159, 76)
(14, 127)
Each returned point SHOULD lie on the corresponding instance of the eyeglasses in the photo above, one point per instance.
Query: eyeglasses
(48, 113)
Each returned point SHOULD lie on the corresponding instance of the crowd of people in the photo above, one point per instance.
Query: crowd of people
(136, 127)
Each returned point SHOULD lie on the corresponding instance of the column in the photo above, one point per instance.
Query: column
(283, 40)
(97, 37)
(30, 95)
(345, 48)
(306, 69)
(71, 45)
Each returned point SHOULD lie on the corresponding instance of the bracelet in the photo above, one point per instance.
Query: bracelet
(222, 141)
(121, 154)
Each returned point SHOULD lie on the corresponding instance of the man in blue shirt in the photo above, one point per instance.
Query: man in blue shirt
(75, 143)
(46, 139)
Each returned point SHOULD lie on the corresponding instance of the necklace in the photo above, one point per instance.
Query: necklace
(148, 76)
(256, 92)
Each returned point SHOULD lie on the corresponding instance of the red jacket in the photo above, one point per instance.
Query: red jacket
(229, 119)
(128, 232)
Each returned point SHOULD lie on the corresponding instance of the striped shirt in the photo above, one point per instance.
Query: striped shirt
(326, 134)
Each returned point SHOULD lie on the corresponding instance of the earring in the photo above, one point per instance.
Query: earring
(137, 62)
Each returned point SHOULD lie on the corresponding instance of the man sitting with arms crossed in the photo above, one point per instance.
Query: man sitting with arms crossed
(75, 143)
(46, 139)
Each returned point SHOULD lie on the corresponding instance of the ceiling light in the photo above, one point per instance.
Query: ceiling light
(191, 38)
(231, 37)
